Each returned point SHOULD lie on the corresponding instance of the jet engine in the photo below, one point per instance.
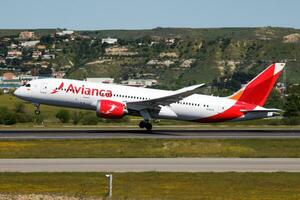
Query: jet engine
(110, 109)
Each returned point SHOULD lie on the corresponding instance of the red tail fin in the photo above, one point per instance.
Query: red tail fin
(258, 89)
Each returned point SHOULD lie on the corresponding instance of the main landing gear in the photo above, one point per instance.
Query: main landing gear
(146, 124)
(37, 109)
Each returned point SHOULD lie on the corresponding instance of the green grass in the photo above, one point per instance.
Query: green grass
(161, 148)
(152, 185)
(48, 112)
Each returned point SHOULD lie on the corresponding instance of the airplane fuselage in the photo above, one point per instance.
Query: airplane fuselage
(114, 101)
(85, 95)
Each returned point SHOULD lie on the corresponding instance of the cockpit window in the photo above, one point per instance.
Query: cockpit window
(27, 85)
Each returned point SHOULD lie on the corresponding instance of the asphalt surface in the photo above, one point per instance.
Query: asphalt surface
(179, 134)
(152, 164)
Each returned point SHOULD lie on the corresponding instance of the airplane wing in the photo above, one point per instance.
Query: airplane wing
(164, 100)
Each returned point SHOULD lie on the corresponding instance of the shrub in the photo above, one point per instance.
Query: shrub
(7, 117)
(38, 119)
(291, 120)
(89, 119)
(24, 117)
(76, 117)
(63, 116)
(19, 108)
(10, 119)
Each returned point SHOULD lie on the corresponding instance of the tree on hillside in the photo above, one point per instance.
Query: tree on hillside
(274, 100)
(292, 106)
(47, 40)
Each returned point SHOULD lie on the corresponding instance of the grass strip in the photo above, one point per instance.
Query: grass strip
(152, 185)
(150, 148)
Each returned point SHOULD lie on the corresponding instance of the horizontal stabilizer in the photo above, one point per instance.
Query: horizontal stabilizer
(262, 110)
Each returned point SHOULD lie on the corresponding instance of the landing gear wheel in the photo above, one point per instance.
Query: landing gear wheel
(149, 127)
(145, 124)
(37, 112)
(142, 124)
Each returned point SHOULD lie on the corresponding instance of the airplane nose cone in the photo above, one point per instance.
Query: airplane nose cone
(17, 92)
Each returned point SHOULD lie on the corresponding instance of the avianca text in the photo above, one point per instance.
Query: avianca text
(88, 91)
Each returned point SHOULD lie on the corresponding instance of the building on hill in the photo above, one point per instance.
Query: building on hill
(101, 80)
(6, 39)
(119, 51)
(64, 33)
(36, 54)
(85, 37)
(14, 54)
(26, 35)
(2, 61)
(165, 63)
(12, 46)
(30, 44)
(153, 43)
(10, 80)
(25, 77)
(58, 74)
(41, 47)
(48, 56)
(8, 76)
(187, 63)
(140, 82)
(170, 41)
(109, 40)
(168, 55)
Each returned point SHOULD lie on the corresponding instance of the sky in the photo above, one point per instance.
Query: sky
(147, 14)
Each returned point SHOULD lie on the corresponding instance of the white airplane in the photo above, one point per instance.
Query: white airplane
(114, 101)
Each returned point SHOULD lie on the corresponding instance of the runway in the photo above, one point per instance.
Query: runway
(152, 164)
(163, 133)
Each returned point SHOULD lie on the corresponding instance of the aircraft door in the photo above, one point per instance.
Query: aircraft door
(43, 88)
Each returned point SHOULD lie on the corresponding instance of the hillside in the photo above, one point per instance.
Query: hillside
(175, 57)
(219, 54)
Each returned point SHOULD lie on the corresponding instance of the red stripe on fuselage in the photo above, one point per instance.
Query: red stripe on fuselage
(229, 114)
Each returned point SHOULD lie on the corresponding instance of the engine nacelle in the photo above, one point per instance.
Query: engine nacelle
(110, 109)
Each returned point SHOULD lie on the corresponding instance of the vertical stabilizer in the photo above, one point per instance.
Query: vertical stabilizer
(258, 89)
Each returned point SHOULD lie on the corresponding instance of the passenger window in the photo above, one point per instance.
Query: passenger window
(27, 85)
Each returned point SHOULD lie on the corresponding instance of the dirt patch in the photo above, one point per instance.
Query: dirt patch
(292, 38)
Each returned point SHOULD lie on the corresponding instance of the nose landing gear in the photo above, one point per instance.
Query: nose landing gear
(37, 109)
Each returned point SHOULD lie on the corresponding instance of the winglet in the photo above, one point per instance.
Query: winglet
(189, 88)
